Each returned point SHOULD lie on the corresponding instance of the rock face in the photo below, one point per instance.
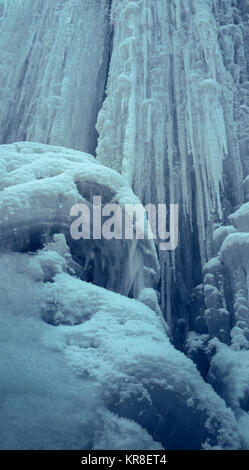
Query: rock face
(166, 83)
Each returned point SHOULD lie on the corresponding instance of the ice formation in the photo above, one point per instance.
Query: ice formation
(169, 85)
(166, 83)
(49, 49)
(172, 123)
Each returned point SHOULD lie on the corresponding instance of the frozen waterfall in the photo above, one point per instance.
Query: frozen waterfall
(134, 101)
(54, 60)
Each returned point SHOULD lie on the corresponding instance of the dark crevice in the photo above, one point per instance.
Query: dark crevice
(101, 84)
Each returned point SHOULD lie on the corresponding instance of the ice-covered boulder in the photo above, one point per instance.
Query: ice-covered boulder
(235, 254)
(229, 375)
(240, 218)
(219, 235)
(40, 184)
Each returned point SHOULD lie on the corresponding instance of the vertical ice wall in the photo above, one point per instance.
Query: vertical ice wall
(172, 122)
(54, 57)
(232, 18)
(165, 121)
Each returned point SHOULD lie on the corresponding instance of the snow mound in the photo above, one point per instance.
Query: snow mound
(97, 367)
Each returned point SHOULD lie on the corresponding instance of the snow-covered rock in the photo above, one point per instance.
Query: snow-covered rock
(40, 184)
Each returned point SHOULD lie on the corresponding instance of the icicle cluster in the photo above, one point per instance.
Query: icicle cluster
(169, 99)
